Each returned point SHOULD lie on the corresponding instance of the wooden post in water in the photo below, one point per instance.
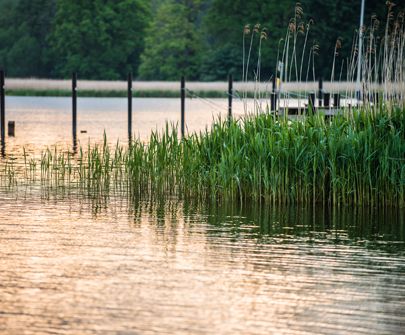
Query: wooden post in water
(129, 106)
(2, 109)
(183, 102)
(74, 109)
(326, 100)
(311, 101)
(273, 101)
(320, 92)
(11, 128)
(230, 94)
(336, 100)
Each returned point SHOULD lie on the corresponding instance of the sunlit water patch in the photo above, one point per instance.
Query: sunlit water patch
(44, 121)
(83, 264)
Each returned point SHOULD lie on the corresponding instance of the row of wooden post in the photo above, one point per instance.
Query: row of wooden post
(273, 103)
(74, 107)
(129, 95)
(323, 97)
(324, 100)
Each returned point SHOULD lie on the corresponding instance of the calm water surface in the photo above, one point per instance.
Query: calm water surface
(41, 122)
(74, 263)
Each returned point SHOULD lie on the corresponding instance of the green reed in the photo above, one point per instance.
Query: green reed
(351, 159)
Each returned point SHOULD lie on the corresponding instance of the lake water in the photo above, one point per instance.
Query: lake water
(73, 262)
(41, 122)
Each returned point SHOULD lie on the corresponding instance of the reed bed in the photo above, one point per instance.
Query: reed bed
(356, 158)
(352, 159)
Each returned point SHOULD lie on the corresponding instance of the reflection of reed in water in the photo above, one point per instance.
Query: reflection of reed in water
(370, 227)
(380, 228)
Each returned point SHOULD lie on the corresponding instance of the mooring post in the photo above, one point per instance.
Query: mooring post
(320, 92)
(230, 94)
(74, 108)
(11, 128)
(336, 100)
(326, 100)
(183, 103)
(2, 109)
(273, 100)
(311, 101)
(130, 106)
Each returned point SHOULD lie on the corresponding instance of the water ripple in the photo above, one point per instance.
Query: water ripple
(139, 269)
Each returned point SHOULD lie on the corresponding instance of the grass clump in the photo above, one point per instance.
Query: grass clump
(356, 159)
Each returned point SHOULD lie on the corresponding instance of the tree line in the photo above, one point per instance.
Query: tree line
(164, 39)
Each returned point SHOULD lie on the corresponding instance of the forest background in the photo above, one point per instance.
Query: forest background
(164, 39)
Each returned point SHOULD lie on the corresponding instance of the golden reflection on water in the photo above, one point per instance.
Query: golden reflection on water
(68, 266)
(44, 121)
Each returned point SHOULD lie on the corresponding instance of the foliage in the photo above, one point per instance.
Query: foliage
(99, 39)
(225, 22)
(330, 19)
(24, 26)
(173, 47)
(354, 159)
(202, 39)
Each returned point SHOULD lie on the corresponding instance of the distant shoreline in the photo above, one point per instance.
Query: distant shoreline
(155, 89)
(111, 93)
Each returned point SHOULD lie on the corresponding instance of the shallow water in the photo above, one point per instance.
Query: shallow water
(45, 121)
(81, 263)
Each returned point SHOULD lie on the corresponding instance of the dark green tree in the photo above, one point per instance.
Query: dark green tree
(100, 39)
(331, 19)
(335, 19)
(224, 26)
(24, 26)
(202, 39)
(172, 43)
